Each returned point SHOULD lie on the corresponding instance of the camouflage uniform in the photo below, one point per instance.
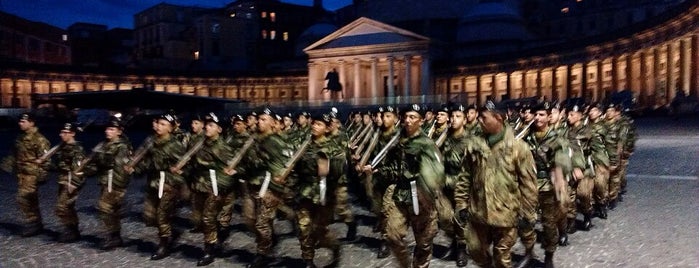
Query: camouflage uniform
(29, 146)
(580, 139)
(600, 159)
(235, 141)
(111, 159)
(67, 159)
(418, 160)
(314, 216)
(628, 133)
(614, 143)
(497, 190)
(269, 155)
(378, 185)
(473, 129)
(550, 151)
(197, 201)
(164, 154)
(342, 208)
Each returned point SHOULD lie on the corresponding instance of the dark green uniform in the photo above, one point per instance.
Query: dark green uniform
(420, 161)
(235, 141)
(600, 159)
(615, 144)
(473, 129)
(197, 201)
(342, 208)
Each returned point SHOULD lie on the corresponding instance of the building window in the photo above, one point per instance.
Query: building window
(286, 36)
(272, 34)
(248, 15)
(263, 14)
(264, 34)
(232, 15)
(565, 10)
(608, 73)
(196, 55)
(64, 37)
(273, 16)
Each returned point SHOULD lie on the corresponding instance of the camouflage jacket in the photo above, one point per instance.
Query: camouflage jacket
(453, 151)
(614, 141)
(386, 169)
(113, 155)
(214, 155)
(629, 135)
(339, 167)
(307, 185)
(473, 129)
(160, 157)
(29, 146)
(418, 160)
(438, 130)
(500, 181)
(549, 151)
(269, 154)
(580, 140)
(598, 146)
(67, 159)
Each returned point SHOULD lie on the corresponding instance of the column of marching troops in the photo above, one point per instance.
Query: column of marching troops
(483, 175)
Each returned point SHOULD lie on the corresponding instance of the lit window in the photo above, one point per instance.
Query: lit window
(264, 34)
(272, 16)
(248, 15)
(263, 14)
(64, 37)
(232, 15)
(565, 10)
(286, 36)
(272, 34)
(196, 55)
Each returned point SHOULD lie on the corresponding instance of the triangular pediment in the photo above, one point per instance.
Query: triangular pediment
(365, 32)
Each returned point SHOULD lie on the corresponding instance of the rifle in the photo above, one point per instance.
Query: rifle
(524, 131)
(140, 152)
(84, 162)
(430, 132)
(442, 137)
(370, 148)
(288, 167)
(384, 151)
(188, 155)
(358, 135)
(239, 156)
(50, 152)
(365, 139)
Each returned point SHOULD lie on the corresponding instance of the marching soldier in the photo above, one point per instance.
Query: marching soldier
(315, 181)
(498, 191)
(419, 182)
(628, 146)
(29, 146)
(471, 125)
(342, 208)
(235, 140)
(197, 201)
(110, 157)
(441, 123)
(265, 162)
(615, 146)
(600, 160)
(552, 161)
(581, 141)
(68, 156)
(212, 181)
(163, 184)
(251, 121)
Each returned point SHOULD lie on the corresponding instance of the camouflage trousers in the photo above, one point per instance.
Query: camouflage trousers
(571, 210)
(342, 208)
(614, 182)
(109, 207)
(211, 208)
(400, 216)
(552, 214)
(65, 205)
(28, 198)
(197, 203)
(226, 214)
(601, 184)
(160, 211)
(250, 201)
(481, 236)
(264, 223)
(622, 179)
(445, 213)
(376, 194)
(584, 194)
(313, 221)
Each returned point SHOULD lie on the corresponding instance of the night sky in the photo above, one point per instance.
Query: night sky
(113, 13)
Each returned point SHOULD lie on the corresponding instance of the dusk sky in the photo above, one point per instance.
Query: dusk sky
(113, 13)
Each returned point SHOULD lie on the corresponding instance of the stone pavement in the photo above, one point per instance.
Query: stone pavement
(657, 225)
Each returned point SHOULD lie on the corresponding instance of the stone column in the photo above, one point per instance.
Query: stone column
(391, 93)
(408, 78)
(615, 75)
(569, 82)
(478, 90)
(600, 80)
(15, 93)
(343, 79)
(656, 75)
(357, 79)
(694, 62)
(684, 66)
(425, 75)
(312, 85)
(374, 80)
(670, 68)
(643, 79)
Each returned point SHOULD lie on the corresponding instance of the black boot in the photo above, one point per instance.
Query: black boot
(223, 233)
(195, 229)
(163, 249)
(208, 257)
(351, 231)
(260, 261)
(601, 211)
(383, 250)
(70, 235)
(612, 204)
(461, 258)
(528, 256)
(112, 241)
(570, 227)
(548, 260)
(32, 229)
(336, 256)
(587, 221)
(562, 239)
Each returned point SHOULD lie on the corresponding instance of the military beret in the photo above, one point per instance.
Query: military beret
(264, 110)
(542, 106)
(115, 121)
(213, 118)
(72, 127)
(614, 106)
(252, 113)
(493, 107)
(304, 114)
(390, 109)
(27, 116)
(197, 117)
(443, 108)
(289, 115)
(277, 117)
(472, 106)
(457, 108)
(237, 117)
(325, 118)
(170, 118)
(414, 108)
(595, 105)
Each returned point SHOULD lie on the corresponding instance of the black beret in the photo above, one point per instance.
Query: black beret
(443, 108)
(27, 116)
(264, 110)
(457, 108)
(304, 114)
(72, 127)
(414, 108)
(197, 117)
(170, 118)
(115, 121)
(237, 117)
(212, 117)
(325, 118)
(493, 107)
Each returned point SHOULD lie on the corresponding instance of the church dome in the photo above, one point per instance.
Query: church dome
(491, 21)
(312, 34)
